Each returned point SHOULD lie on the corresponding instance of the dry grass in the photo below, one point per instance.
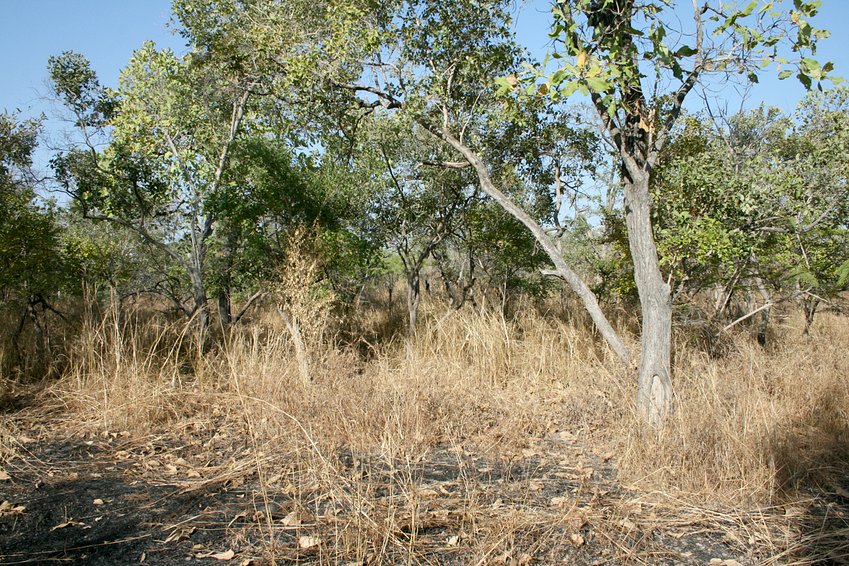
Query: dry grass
(754, 424)
(352, 447)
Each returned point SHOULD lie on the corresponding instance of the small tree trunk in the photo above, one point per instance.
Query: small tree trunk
(413, 300)
(654, 382)
(764, 323)
(200, 308)
(810, 306)
(225, 317)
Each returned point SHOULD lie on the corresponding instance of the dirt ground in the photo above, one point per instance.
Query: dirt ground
(205, 496)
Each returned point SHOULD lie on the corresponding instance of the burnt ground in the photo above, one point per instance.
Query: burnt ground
(206, 497)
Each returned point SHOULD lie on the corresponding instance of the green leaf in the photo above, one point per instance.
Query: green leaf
(569, 89)
(558, 77)
(747, 11)
(597, 84)
(685, 51)
(784, 74)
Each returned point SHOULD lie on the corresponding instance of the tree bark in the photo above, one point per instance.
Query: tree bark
(654, 380)
(224, 309)
(810, 305)
(200, 309)
(413, 300)
(764, 323)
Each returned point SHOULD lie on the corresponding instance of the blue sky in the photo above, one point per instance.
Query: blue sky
(107, 32)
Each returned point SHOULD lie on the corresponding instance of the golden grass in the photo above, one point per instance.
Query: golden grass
(745, 426)
(756, 427)
(754, 423)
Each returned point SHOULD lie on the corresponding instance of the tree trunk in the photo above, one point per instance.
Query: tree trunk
(654, 381)
(810, 305)
(224, 309)
(413, 300)
(200, 308)
(764, 323)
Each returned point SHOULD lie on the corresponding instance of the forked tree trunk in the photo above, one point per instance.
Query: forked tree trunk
(654, 381)
(810, 305)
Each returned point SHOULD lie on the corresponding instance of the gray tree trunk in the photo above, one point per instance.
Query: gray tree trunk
(654, 381)
(200, 306)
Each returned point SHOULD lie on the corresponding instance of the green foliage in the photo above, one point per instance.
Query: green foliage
(765, 198)
(29, 236)
(607, 48)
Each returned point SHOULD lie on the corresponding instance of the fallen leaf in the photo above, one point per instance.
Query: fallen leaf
(558, 501)
(291, 520)
(453, 540)
(524, 559)
(306, 542)
(576, 540)
(181, 534)
(4, 476)
(7, 508)
(70, 523)
(98, 501)
(226, 555)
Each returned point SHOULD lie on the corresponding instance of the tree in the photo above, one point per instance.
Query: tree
(417, 202)
(30, 248)
(616, 51)
(170, 128)
(756, 204)
(436, 61)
